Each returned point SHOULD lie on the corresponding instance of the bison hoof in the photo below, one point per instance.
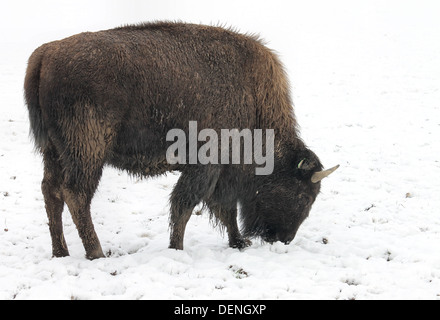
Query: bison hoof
(96, 254)
(178, 245)
(240, 243)
(60, 254)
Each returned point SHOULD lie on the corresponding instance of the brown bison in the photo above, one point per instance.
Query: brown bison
(111, 97)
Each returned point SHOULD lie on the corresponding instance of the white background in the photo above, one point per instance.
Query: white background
(365, 79)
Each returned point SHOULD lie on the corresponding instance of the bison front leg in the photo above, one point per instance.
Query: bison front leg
(227, 217)
(195, 184)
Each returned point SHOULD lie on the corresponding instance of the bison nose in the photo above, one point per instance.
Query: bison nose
(286, 239)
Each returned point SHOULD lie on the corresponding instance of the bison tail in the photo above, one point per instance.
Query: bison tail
(38, 130)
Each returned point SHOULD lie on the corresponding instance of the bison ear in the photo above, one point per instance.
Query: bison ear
(318, 176)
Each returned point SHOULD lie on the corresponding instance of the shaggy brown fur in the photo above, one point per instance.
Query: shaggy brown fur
(110, 97)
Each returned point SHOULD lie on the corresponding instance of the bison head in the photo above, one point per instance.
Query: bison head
(282, 200)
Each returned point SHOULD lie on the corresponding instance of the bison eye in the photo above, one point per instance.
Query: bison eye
(306, 164)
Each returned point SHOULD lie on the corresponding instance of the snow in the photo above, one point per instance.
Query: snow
(365, 78)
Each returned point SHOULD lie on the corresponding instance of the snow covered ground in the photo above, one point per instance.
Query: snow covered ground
(365, 77)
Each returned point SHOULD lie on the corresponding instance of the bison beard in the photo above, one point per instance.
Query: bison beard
(110, 97)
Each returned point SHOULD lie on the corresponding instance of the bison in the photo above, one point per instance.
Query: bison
(110, 97)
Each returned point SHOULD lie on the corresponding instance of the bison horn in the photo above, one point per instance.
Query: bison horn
(318, 176)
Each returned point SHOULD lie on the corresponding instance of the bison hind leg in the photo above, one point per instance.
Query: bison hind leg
(86, 144)
(79, 206)
(81, 180)
(73, 180)
(53, 198)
